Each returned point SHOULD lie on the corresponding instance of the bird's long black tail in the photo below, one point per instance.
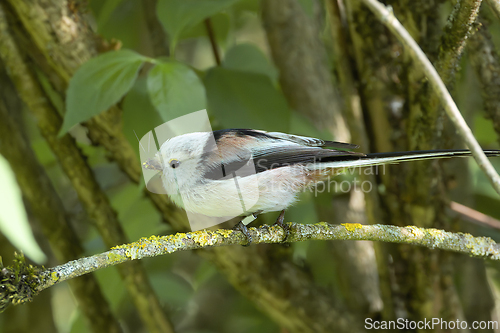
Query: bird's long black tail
(403, 156)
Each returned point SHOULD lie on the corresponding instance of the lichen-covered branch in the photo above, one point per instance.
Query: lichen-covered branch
(486, 63)
(390, 21)
(482, 247)
(456, 33)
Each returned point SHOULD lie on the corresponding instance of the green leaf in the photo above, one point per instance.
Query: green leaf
(139, 114)
(13, 220)
(100, 83)
(178, 15)
(175, 90)
(246, 100)
(249, 58)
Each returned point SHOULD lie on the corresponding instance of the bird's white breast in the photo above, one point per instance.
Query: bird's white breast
(268, 191)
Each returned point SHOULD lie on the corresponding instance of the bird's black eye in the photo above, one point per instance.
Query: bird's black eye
(174, 163)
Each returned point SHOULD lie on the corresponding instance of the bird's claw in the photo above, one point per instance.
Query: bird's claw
(284, 226)
(243, 228)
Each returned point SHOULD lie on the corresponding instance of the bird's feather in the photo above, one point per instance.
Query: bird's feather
(236, 147)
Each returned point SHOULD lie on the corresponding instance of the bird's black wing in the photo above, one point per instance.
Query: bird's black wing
(236, 148)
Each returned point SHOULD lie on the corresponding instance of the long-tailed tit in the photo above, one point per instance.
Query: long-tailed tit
(198, 170)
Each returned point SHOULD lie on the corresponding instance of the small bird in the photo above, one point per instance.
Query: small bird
(243, 172)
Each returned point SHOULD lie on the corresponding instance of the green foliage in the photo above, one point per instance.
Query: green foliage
(248, 58)
(246, 99)
(175, 90)
(178, 16)
(137, 124)
(100, 83)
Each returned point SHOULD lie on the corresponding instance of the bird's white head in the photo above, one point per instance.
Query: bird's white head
(181, 161)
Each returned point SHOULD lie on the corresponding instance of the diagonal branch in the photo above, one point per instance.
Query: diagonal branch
(79, 173)
(390, 21)
(459, 29)
(46, 205)
(486, 64)
(495, 6)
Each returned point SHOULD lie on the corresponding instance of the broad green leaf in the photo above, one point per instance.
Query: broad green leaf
(178, 15)
(100, 83)
(246, 100)
(139, 114)
(175, 90)
(13, 220)
(248, 58)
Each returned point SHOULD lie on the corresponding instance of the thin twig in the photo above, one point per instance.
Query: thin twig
(474, 215)
(213, 41)
(386, 16)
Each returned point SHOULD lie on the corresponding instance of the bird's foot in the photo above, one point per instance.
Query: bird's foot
(285, 227)
(242, 226)
(244, 230)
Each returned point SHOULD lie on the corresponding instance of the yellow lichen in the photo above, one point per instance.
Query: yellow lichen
(202, 237)
(114, 257)
(225, 232)
(179, 236)
(352, 226)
